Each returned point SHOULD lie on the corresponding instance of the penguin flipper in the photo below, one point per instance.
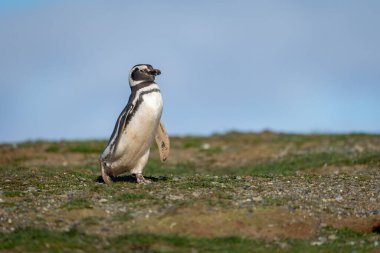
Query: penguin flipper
(163, 142)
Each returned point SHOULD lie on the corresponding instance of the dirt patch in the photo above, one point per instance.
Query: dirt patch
(84, 213)
(365, 225)
(264, 223)
(36, 155)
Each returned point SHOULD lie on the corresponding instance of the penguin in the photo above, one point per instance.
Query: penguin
(136, 128)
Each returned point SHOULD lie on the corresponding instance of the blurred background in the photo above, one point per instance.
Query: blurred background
(289, 66)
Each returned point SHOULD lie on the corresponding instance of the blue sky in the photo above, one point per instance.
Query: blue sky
(290, 66)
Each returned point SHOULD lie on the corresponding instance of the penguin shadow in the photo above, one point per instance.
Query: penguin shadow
(131, 179)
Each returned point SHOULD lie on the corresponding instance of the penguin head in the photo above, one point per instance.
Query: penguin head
(142, 73)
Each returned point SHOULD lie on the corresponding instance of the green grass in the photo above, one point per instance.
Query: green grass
(42, 240)
(348, 233)
(78, 203)
(269, 201)
(7, 204)
(91, 220)
(191, 142)
(12, 194)
(212, 150)
(156, 168)
(85, 146)
(290, 165)
(133, 196)
(123, 217)
(53, 148)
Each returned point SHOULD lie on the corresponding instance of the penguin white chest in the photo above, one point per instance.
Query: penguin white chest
(140, 131)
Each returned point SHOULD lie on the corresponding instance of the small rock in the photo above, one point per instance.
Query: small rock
(195, 194)
(339, 197)
(332, 237)
(105, 229)
(248, 178)
(176, 197)
(257, 199)
(103, 200)
(246, 187)
(358, 148)
(205, 146)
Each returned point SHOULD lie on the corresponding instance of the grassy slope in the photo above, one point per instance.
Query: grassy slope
(52, 200)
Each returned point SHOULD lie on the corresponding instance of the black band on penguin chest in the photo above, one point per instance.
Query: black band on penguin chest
(129, 111)
(139, 86)
(135, 107)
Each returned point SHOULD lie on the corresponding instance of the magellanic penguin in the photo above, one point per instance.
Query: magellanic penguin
(138, 124)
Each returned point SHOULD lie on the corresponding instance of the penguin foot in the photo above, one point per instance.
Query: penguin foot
(140, 179)
(106, 178)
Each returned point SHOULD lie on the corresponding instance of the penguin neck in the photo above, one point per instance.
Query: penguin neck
(141, 85)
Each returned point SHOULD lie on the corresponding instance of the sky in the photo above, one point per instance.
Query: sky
(286, 66)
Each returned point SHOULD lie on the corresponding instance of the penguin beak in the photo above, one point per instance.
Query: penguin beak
(155, 72)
